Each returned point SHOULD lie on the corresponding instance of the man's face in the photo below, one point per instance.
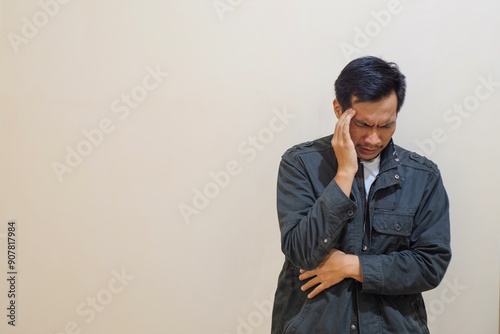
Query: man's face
(373, 125)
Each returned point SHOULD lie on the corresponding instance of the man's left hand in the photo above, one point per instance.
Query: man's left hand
(332, 270)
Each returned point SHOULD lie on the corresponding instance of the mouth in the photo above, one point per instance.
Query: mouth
(368, 151)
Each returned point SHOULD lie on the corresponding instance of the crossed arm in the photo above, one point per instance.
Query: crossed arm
(336, 267)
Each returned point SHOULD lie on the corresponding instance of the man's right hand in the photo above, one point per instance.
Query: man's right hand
(345, 152)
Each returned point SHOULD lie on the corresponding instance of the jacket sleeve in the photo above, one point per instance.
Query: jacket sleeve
(423, 266)
(310, 224)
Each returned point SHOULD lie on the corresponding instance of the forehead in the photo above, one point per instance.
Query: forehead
(383, 110)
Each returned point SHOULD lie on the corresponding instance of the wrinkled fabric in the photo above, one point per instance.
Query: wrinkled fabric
(401, 234)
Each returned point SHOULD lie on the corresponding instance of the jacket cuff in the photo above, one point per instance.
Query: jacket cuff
(337, 202)
(373, 276)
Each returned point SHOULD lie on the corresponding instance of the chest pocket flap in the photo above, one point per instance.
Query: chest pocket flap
(393, 222)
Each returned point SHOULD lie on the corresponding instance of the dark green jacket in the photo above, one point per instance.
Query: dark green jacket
(401, 235)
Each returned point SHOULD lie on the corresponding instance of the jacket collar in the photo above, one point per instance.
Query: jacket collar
(389, 157)
(389, 174)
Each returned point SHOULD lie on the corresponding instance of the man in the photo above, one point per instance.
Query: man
(364, 223)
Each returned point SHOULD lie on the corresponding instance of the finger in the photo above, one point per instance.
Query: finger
(316, 291)
(309, 284)
(342, 126)
(306, 275)
(349, 114)
(341, 120)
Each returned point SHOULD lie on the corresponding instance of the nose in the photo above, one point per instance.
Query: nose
(373, 138)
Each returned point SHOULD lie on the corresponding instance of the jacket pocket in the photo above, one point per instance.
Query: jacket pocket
(391, 230)
(294, 323)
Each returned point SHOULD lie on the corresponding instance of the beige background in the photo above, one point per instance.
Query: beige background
(104, 248)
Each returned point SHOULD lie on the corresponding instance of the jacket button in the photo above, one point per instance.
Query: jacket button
(350, 213)
(365, 247)
(353, 327)
(397, 227)
(325, 241)
(396, 177)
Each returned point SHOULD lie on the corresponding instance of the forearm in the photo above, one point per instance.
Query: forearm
(405, 272)
(308, 240)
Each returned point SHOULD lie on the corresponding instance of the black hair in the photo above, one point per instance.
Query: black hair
(369, 79)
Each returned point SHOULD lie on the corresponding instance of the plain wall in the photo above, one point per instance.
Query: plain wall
(140, 143)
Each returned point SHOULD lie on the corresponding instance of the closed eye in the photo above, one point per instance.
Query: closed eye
(387, 126)
(362, 124)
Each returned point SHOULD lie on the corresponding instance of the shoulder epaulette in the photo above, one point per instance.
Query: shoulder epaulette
(424, 161)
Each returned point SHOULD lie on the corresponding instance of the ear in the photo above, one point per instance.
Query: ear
(337, 109)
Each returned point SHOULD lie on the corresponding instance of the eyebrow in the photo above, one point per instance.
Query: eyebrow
(363, 123)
